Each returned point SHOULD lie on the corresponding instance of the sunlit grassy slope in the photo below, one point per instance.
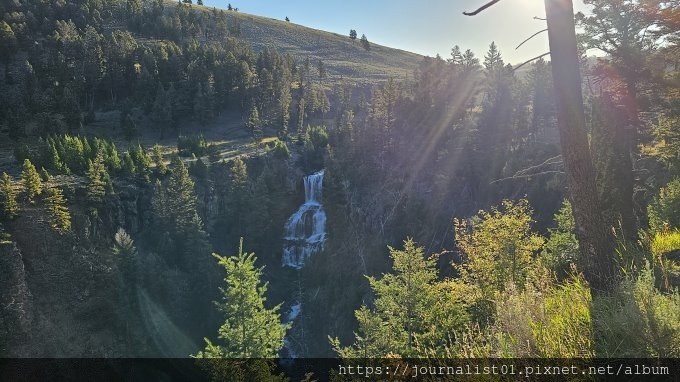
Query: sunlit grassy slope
(342, 57)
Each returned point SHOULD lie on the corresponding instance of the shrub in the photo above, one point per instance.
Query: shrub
(192, 145)
(638, 320)
(280, 150)
(664, 211)
(549, 321)
(561, 250)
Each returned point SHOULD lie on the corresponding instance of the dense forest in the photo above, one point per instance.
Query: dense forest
(152, 162)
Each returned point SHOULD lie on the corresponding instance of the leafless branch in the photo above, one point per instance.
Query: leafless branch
(550, 161)
(538, 18)
(528, 175)
(483, 7)
(530, 37)
(539, 168)
(533, 59)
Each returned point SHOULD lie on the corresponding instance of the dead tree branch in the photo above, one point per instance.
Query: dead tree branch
(537, 170)
(483, 7)
(530, 37)
(528, 61)
(549, 172)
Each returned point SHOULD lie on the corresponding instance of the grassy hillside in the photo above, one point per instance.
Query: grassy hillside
(342, 57)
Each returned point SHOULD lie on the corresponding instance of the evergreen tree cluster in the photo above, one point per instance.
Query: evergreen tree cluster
(174, 61)
(71, 154)
(509, 302)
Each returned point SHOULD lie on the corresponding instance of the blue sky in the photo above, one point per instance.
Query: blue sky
(430, 27)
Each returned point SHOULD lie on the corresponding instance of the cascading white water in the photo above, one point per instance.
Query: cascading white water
(305, 230)
(305, 234)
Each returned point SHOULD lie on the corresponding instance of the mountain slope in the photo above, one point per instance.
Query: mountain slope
(341, 56)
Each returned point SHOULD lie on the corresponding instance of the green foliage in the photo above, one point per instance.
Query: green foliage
(159, 163)
(364, 42)
(124, 248)
(66, 154)
(128, 127)
(551, 321)
(59, 216)
(44, 175)
(561, 250)
(666, 145)
(564, 329)
(254, 125)
(31, 180)
(315, 142)
(664, 211)
(177, 226)
(498, 247)
(8, 197)
(192, 145)
(280, 150)
(414, 314)
(664, 242)
(4, 236)
(141, 161)
(182, 201)
(638, 320)
(128, 166)
(199, 170)
(99, 181)
(250, 329)
(665, 248)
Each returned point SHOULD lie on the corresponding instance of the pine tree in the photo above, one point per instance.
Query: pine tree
(410, 303)
(128, 166)
(182, 198)
(493, 60)
(141, 161)
(31, 180)
(124, 248)
(498, 247)
(128, 127)
(99, 182)
(254, 125)
(59, 216)
(365, 43)
(8, 197)
(321, 69)
(162, 110)
(157, 156)
(250, 329)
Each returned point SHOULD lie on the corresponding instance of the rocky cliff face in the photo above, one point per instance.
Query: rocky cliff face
(16, 302)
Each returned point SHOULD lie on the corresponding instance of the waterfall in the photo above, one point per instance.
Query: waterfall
(304, 236)
(305, 230)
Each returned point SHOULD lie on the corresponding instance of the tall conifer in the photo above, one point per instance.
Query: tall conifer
(31, 180)
(58, 213)
(8, 197)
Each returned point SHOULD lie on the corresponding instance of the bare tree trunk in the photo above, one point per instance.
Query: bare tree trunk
(595, 241)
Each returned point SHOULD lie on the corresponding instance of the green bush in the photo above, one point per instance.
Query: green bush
(192, 145)
(638, 320)
(552, 322)
(280, 150)
(561, 251)
(664, 211)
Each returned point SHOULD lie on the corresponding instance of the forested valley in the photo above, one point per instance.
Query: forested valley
(173, 187)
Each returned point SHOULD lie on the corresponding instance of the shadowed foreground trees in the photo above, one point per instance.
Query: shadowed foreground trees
(250, 330)
(594, 239)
